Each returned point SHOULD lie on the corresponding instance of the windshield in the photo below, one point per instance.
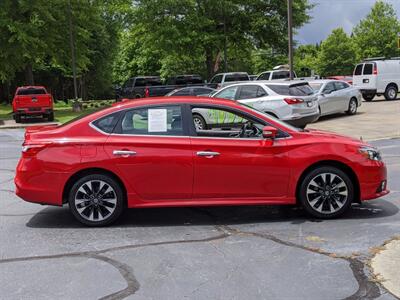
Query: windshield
(315, 86)
(276, 120)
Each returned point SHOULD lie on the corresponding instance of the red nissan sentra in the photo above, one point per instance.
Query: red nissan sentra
(149, 153)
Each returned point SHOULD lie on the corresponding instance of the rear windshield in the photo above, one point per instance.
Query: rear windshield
(302, 89)
(358, 69)
(31, 91)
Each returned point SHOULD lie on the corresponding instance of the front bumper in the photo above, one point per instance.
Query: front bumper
(302, 121)
(373, 181)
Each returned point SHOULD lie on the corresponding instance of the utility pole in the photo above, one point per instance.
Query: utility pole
(225, 41)
(290, 37)
(72, 46)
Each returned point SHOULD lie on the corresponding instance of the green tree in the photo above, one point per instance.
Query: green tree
(337, 55)
(376, 35)
(306, 59)
(189, 36)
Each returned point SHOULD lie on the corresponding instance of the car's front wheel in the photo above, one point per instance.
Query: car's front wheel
(96, 200)
(326, 192)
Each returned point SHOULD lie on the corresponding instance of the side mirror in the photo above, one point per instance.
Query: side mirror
(269, 132)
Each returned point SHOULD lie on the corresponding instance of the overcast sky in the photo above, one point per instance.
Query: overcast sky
(330, 14)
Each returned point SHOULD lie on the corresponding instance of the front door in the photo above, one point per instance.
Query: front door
(235, 162)
(153, 152)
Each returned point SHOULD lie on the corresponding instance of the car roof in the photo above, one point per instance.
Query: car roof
(31, 87)
(171, 100)
(269, 82)
(233, 73)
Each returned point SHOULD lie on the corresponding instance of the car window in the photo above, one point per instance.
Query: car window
(339, 85)
(216, 79)
(236, 77)
(202, 91)
(358, 69)
(329, 88)
(217, 122)
(182, 92)
(302, 89)
(368, 69)
(153, 81)
(31, 91)
(264, 76)
(248, 92)
(107, 123)
(228, 93)
(153, 121)
(280, 74)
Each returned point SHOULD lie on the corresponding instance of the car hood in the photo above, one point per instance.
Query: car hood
(328, 135)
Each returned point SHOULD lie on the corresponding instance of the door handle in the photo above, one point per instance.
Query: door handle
(208, 154)
(124, 153)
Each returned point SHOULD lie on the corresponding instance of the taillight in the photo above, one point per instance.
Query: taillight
(32, 149)
(291, 101)
(375, 72)
(146, 92)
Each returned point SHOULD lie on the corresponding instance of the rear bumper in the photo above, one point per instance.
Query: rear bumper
(37, 186)
(302, 121)
(34, 111)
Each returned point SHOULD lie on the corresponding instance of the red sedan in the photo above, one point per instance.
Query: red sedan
(148, 153)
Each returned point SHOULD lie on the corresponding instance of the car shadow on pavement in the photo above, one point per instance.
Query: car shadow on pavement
(336, 116)
(56, 217)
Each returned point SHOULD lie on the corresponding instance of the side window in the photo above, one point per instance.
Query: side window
(140, 82)
(329, 88)
(264, 76)
(218, 122)
(153, 121)
(341, 85)
(280, 75)
(248, 92)
(230, 78)
(228, 93)
(107, 123)
(216, 79)
(182, 92)
(201, 91)
(358, 69)
(368, 69)
(261, 92)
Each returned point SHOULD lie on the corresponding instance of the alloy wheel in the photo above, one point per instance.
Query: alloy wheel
(95, 200)
(353, 107)
(198, 123)
(327, 193)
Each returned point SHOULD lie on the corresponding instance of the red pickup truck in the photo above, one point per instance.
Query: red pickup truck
(32, 101)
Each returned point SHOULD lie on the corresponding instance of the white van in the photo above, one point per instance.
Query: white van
(378, 76)
(278, 72)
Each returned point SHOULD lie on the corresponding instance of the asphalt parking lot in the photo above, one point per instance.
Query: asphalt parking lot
(194, 253)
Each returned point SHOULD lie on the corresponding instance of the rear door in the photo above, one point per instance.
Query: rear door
(329, 99)
(151, 148)
(364, 77)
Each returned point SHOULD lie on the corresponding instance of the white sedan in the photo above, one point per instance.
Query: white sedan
(336, 96)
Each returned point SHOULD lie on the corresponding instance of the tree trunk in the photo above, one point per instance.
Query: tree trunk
(29, 75)
(209, 63)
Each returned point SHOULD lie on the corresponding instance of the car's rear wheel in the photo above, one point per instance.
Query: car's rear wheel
(326, 192)
(368, 97)
(96, 200)
(50, 117)
(199, 122)
(391, 92)
(17, 118)
(352, 109)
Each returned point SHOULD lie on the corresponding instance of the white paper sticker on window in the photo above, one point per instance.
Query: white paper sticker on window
(157, 120)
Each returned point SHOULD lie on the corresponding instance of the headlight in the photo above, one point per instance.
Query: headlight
(370, 153)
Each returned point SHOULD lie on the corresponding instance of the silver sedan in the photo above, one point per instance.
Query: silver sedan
(336, 96)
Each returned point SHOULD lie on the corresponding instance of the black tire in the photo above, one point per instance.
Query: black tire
(352, 108)
(17, 118)
(368, 97)
(199, 122)
(50, 117)
(391, 92)
(320, 196)
(90, 205)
